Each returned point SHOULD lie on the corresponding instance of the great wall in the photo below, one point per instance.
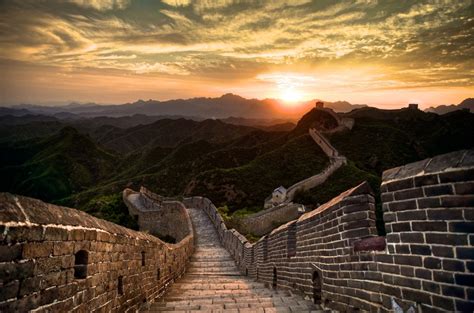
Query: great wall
(56, 259)
(284, 210)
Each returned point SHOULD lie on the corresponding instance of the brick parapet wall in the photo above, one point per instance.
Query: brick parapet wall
(40, 244)
(429, 216)
(157, 215)
(264, 221)
(426, 262)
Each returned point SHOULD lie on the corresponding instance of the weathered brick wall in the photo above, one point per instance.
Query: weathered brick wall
(264, 221)
(429, 216)
(333, 254)
(155, 215)
(56, 259)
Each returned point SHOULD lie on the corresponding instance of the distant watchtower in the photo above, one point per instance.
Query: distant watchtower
(413, 106)
(320, 105)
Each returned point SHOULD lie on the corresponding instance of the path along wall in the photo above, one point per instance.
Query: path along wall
(333, 255)
(336, 162)
(57, 259)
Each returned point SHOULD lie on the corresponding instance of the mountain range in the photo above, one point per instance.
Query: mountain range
(87, 162)
(466, 104)
(226, 106)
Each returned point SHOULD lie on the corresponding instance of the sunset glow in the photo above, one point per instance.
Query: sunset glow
(118, 51)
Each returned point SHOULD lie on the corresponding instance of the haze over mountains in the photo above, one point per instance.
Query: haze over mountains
(236, 109)
(467, 104)
(228, 105)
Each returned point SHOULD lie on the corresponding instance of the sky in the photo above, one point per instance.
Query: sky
(381, 53)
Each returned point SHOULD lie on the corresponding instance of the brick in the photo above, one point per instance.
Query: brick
(464, 188)
(464, 279)
(417, 296)
(411, 215)
(425, 180)
(424, 203)
(453, 265)
(408, 194)
(408, 260)
(423, 273)
(468, 214)
(387, 268)
(384, 258)
(446, 239)
(10, 252)
(13, 271)
(470, 266)
(453, 291)
(443, 277)
(62, 248)
(465, 253)
(443, 251)
(55, 234)
(461, 227)
(443, 302)
(76, 235)
(400, 227)
(429, 226)
(400, 184)
(387, 197)
(431, 287)
(455, 176)
(355, 208)
(445, 214)
(9, 290)
(407, 271)
(457, 201)
(402, 249)
(464, 306)
(433, 263)
(431, 191)
(412, 238)
(29, 285)
(37, 250)
(389, 217)
(420, 249)
(402, 205)
(23, 233)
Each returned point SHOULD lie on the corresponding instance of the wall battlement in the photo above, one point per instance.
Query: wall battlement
(63, 260)
(332, 254)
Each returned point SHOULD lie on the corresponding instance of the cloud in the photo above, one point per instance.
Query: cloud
(412, 44)
(102, 4)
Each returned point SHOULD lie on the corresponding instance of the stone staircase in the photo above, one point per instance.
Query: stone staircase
(212, 282)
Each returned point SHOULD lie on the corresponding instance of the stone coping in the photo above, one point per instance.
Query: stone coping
(441, 163)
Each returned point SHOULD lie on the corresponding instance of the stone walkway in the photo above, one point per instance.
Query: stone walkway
(212, 282)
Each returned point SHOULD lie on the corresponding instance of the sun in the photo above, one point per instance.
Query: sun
(290, 95)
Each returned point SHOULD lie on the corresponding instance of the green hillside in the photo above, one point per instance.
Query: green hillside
(55, 167)
(236, 166)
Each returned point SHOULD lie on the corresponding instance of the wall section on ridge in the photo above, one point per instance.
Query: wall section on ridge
(57, 259)
(157, 215)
